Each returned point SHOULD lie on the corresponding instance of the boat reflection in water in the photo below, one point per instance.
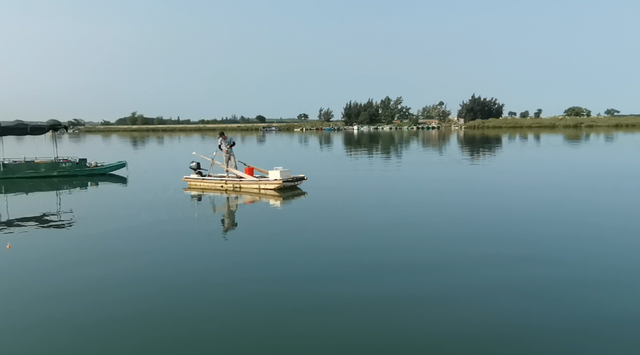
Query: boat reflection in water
(228, 201)
(17, 192)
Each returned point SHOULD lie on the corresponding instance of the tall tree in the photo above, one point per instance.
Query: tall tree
(303, 117)
(524, 114)
(261, 119)
(327, 115)
(437, 111)
(403, 113)
(478, 108)
(387, 111)
(611, 112)
(577, 111)
(76, 122)
(538, 113)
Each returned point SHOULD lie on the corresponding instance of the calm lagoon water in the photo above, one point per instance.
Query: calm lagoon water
(400, 242)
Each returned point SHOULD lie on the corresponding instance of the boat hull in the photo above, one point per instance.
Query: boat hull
(36, 169)
(223, 183)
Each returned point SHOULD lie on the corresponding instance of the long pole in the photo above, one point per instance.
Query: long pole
(211, 166)
(255, 167)
(237, 172)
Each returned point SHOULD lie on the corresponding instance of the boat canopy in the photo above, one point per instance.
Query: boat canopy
(22, 128)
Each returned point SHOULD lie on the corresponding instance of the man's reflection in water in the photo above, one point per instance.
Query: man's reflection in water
(229, 220)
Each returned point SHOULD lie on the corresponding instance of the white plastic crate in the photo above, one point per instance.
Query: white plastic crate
(279, 173)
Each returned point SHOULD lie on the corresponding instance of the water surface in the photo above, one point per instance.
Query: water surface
(402, 242)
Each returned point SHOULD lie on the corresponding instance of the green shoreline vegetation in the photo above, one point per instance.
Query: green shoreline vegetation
(308, 125)
(493, 123)
(475, 113)
(556, 122)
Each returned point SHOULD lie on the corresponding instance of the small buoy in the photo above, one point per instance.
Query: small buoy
(9, 246)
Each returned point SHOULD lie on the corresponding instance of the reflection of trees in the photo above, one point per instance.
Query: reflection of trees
(325, 139)
(536, 137)
(478, 144)
(435, 140)
(385, 144)
(261, 139)
(575, 137)
(303, 139)
(137, 141)
(160, 140)
(106, 137)
(76, 138)
(389, 144)
(609, 137)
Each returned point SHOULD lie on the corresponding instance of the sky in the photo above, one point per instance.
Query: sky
(101, 60)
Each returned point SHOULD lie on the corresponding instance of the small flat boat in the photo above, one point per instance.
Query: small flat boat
(233, 179)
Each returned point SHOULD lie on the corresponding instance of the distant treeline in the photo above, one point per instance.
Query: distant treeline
(385, 111)
(138, 119)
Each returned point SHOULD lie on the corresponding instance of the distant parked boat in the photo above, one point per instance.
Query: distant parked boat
(270, 129)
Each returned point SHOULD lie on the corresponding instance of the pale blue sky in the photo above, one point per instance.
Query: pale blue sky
(206, 59)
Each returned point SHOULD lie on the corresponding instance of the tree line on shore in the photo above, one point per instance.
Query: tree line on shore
(139, 119)
(385, 111)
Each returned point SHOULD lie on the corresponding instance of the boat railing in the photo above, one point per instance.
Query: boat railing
(41, 159)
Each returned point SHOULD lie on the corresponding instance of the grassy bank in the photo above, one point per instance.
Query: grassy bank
(556, 122)
(209, 127)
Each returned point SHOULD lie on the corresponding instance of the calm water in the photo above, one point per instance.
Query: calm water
(399, 243)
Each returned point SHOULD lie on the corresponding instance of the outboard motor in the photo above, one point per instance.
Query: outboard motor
(195, 166)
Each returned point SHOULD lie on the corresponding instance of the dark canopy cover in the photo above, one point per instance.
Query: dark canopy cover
(21, 128)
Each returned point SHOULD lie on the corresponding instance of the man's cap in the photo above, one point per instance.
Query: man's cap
(220, 134)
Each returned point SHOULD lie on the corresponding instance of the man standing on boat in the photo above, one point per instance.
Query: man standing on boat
(225, 144)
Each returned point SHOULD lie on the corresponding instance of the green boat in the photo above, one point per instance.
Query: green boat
(45, 167)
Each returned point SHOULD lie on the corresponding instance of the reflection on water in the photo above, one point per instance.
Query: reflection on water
(226, 202)
(391, 144)
(536, 137)
(303, 139)
(76, 138)
(325, 139)
(575, 137)
(480, 144)
(386, 144)
(19, 214)
(139, 141)
(436, 140)
(553, 265)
